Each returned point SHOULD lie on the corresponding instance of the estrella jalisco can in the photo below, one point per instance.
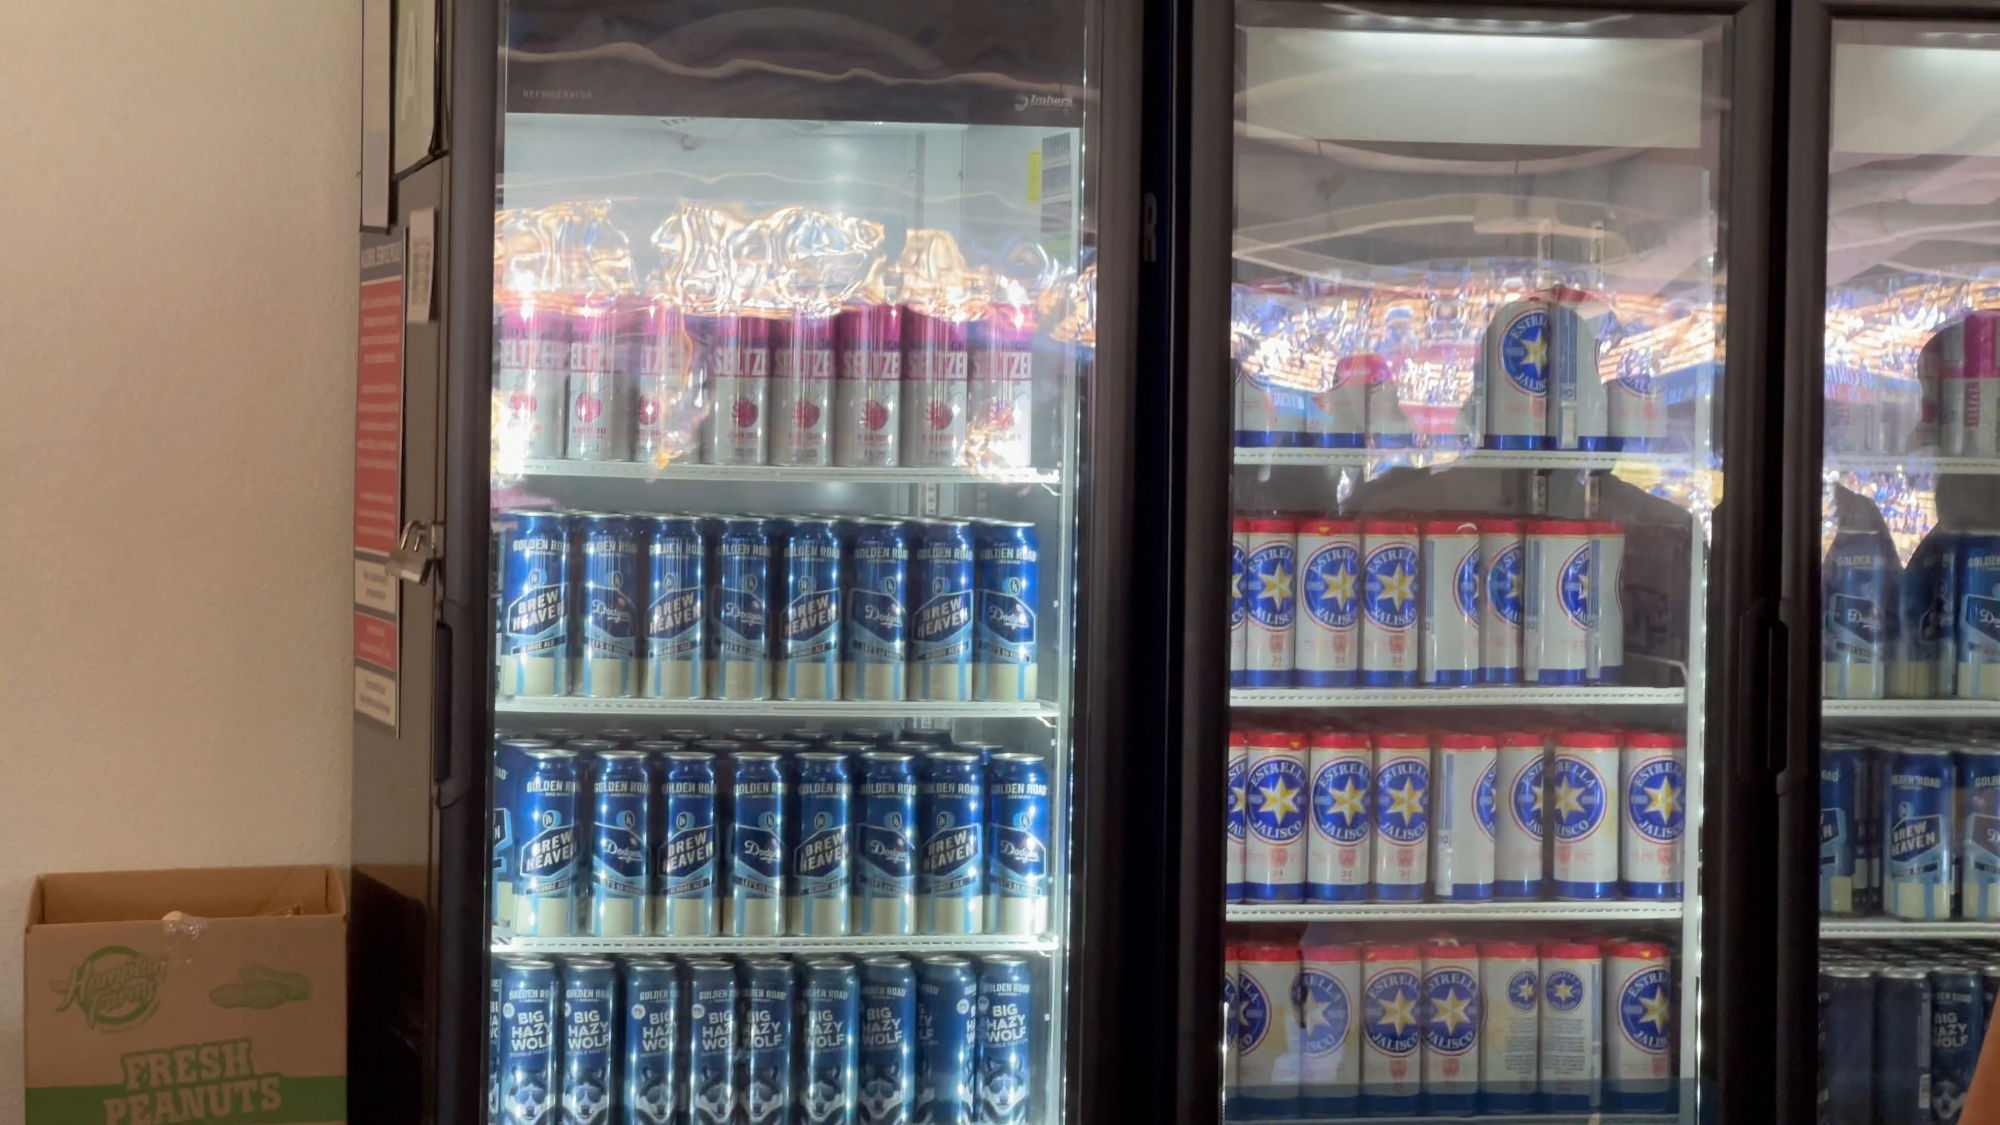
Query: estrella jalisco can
(1583, 814)
(951, 873)
(675, 612)
(1448, 580)
(1326, 641)
(941, 613)
(1007, 575)
(885, 887)
(1270, 571)
(534, 604)
(1341, 768)
(686, 884)
(1390, 602)
(876, 640)
(741, 668)
(808, 643)
(822, 826)
(607, 663)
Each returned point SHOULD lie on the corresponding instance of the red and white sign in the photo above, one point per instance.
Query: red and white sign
(378, 477)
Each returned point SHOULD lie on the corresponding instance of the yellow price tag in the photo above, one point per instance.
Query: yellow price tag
(1034, 175)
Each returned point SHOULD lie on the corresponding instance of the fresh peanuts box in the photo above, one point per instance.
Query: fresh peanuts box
(183, 997)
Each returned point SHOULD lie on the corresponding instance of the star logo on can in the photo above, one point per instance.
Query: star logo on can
(1525, 802)
(1564, 990)
(1577, 799)
(1253, 1013)
(1452, 998)
(1340, 801)
(1521, 990)
(1390, 587)
(1327, 1013)
(1402, 798)
(1524, 351)
(1483, 802)
(1574, 586)
(1654, 799)
(1503, 585)
(1391, 1020)
(1331, 574)
(1644, 1003)
(1277, 799)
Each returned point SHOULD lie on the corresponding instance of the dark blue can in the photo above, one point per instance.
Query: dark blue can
(947, 1040)
(676, 587)
(1923, 641)
(621, 863)
(1839, 826)
(1007, 575)
(885, 887)
(651, 991)
(609, 593)
(876, 643)
(764, 1042)
(508, 762)
(741, 668)
(1976, 588)
(756, 844)
(709, 1049)
(686, 882)
(887, 1058)
(941, 601)
(1006, 1027)
(495, 982)
(1919, 822)
(830, 1005)
(590, 1014)
(809, 618)
(1017, 844)
(623, 738)
(545, 876)
(1846, 1045)
(951, 873)
(822, 826)
(534, 604)
(531, 1047)
(1902, 1047)
(1958, 1024)
(1858, 574)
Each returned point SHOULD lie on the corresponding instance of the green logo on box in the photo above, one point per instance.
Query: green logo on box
(115, 988)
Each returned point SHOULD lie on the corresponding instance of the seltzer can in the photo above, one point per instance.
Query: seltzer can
(1000, 390)
(935, 376)
(1338, 856)
(668, 393)
(531, 382)
(733, 353)
(600, 395)
(802, 362)
(868, 391)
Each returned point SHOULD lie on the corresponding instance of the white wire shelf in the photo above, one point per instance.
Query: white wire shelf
(647, 470)
(1861, 929)
(1358, 912)
(1498, 696)
(1554, 459)
(1911, 708)
(857, 943)
(1913, 463)
(768, 708)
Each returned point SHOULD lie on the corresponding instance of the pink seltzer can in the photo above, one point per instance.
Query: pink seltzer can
(531, 381)
(802, 361)
(868, 392)
(669, 397)
(732, 355)
(1000, 392)
(600, 409)
(935, 372)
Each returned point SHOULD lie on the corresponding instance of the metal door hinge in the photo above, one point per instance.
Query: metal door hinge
(421, 551)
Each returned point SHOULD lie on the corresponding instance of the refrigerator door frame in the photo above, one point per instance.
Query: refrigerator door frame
(1185, 299)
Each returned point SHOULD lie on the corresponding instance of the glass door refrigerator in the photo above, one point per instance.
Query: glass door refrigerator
(781, 467)
(1893, 311)
(1475, 348)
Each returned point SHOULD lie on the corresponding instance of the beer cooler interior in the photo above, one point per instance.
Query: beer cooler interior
(1474, 319)
(794, 346)
(1909, 790)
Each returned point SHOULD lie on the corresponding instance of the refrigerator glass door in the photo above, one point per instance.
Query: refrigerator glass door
(793, 342)
(1475, 315)
(1909, 791)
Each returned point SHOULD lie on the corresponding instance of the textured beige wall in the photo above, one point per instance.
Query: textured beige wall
(177, 210)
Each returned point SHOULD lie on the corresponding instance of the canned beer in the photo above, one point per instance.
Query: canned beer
(1006, 1023)
(1510, 991)
(1583, 815)
(1609, 581)
(1903, 1031)
(531, 1045)
(1519, 831)
(590, 1012)
(1958, 1023)
(1270, 569)
(1560, 636)
(885, 890)
(1579, 412)
(545, 878)
(1392, 1026)
(1924, 643)
(809, 626)
(1336, 415)
(822, 826)
(764, 1042)
(1239, 603)
(1330, 1052)
(756, 844)
(1854, 650)
(947, 1039)
(1515, 363)
(1572, 1027)
(935, 373)
(802, 360)
(941, 600)
(1236, 820)
(868, 393)
(951, 873)
(1000, 389)
(650, 991)
(1453, 1010)
(1402, 816)
(686, 876)
(1389, 603)
(675, 618)
(1977, 589)
(1653, 778)
(1274, 855)
(1638, 1009)
(621, 868)
(535, 627)
(1267, 1028)
(709, 1092)
(1326, 642)
(1448, 580)
(1501, 558)
(1007, 576)
(732, 352)
(887, 1058)
(1841, 811)
(600, 396)
(1918, 818)
(1462, 847)
(741, 664)
(830, 1009)
(877, 627)
(1979, 832)
(1338, 867)
(1017, 851)
(608, 659)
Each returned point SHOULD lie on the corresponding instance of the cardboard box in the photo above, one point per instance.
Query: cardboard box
(175, 997)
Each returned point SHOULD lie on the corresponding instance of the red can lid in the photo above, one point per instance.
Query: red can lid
(1287, 738)
(1238, 738)
(1506, 949)
(1558, 527)
(1655, 740)
(1606, 527)
(1388, 527)
(1451, 527)
(1516, 739)
(1637, 950)
(1229, 950)
(1466, 742)
(1501, 526)
(1570, 949)
(1587, 740)
(1327, 525)
(1329, 951)
(1265, 525)
(1388, 951)
(1340, 740)
(1402, 740)
(1266, 951)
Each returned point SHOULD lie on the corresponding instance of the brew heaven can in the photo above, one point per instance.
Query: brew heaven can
(1510, 988)
(802, 361)
(1583, 816)
(1267, 1028)
(1453, 1009)
(1402, 817)
(1392, 1025)
(1448, 579)
(732, 351)
(675, 615)
(885, 889)
(1501, 558)
(1977, 579)
(1558, 640)
(590, 1014)
(1462, 845)
(1236, 819)
(1017, 850)
(1979, 833)
(650, 990)
(1841, 812)
(941, 611)
(1239, 603)
(545, 879)
(1007, 576)
(1854, 651)
(822, 831)
(951, 873)
(621, 867)
(1329, 1046)
(868, 392)
(756, 844)
(509, 764)
(1638, 1027)
(1326, 641)
(608, 657)
(709, 1092)
(947, 1040)
(1515, 363)
(887, 1058)
(599, 412)
(877, 626)
(1006, 1027)
(830, 1009)
(1609, 582)
(1572, 1027)
(935, 375)
(1270, 569)
(535, 628)
(1653, 779)
(1917, 819)
(809, 625)
(530, 1050)
(1389, 603)
(1519, 828)
(1000, 390)
(741, 665)
(686, 876)
(764, 1042)
(1341, 765)
(1274, 854)
(530, 385)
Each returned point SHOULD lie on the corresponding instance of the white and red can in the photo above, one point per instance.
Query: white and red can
(1979, 420)
(802, 362)
(1501, 570)
(1652, 786)
(1342, 767)
(1390, 603)
(1402, 817)
(1572, 1046)
(1237, 817)
(1392, 1028)
(935, 374)
(1558, 637)
(599, 420)
(1637, 404)
(1510, 987)
(1448, 579)
(1638, 1026)
(1514, 361)
(1583, 814)
(868, 387)
(1337, 414)
(1326, 636)
(1000, 391)
(1453, 1007)
(1464, 777)
(532, 381)
(1521, 818)
(1609, 585)
(1330, 1050)
(1270, 602)
(1267, 1028)
(1578, 407)
(668, 395)
(1274, 844)
(1239, 602)
(1389, 421)
(732, 355)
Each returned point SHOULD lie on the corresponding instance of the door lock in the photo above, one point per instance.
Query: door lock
(419, 553)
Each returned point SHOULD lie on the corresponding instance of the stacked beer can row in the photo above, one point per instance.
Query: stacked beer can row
(1945, 404)
(763, 838)
(1448, 1027)
(1925, 629)
(1435, 600)
(761, 607)
(1510, 814)
(763, 1040)
(1901, 1028)
(1909, 826)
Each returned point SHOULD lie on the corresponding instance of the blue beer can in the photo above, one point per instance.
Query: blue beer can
(764, 1042)
(1958, 1023)
(621, 867)
(1846, 1045)
(809, 629)
(1006, 1026)
(545, 876)
(607, 662)
(822, 828)
(676, 624)
(741, 667)
(708, 1072)
(650, 989)
(887, 1056)
(1923, 657)
(1839, 825)
(830, 1005)
(1858, 575)
(531, 1048)
(941, 605)
(686, 876)
(1017, 844)
(534, 646)
(876, 641)
(622, 738)
(1902, 1047)
(1977, 589)
(590, 1011)
(756, 854)
(947, 1040)
(951, 873)
(1007, 576)
(885, 814)
(1918, 824)
(495, 983)
(508, 763)
(1979, 835)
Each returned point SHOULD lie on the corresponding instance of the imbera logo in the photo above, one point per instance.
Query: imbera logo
(198, 1082)
(115, 988)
